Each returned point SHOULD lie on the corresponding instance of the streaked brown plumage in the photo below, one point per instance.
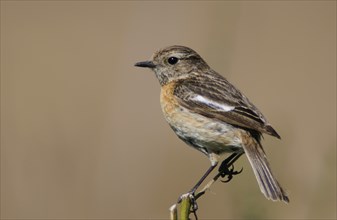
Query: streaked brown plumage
(210, 114)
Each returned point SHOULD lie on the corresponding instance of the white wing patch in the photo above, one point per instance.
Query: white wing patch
(221, 106)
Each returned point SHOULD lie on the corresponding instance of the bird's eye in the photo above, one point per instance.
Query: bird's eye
(172, 60)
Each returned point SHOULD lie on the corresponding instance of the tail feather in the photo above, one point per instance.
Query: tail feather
(268, 184)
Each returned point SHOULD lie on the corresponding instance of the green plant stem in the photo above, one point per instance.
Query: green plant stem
(185, 207)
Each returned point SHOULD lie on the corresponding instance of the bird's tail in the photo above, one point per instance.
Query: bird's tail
(269, 186)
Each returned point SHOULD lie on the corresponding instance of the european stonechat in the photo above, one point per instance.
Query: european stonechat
(208, 113)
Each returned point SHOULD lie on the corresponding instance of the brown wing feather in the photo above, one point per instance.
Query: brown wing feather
(220, 91)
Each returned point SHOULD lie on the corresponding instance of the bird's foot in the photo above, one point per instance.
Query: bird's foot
(193, 202)
(226, 170)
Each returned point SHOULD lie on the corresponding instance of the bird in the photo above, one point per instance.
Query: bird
(210, 114)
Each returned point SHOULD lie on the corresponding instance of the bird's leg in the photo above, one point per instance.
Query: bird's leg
(194, 204)
(227, 168)
(192, 191)
(223, 171)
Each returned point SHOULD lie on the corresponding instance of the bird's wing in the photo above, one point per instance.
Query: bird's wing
(213, 96)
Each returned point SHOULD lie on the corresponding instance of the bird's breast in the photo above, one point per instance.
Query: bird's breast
(195, 129)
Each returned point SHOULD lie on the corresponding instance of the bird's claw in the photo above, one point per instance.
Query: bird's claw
(228, 171)
(194, 204)
(192, 198)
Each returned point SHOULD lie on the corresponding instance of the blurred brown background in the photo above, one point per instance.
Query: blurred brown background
(82, 133)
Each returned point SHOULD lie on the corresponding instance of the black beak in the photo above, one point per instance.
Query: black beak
(148, 64)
